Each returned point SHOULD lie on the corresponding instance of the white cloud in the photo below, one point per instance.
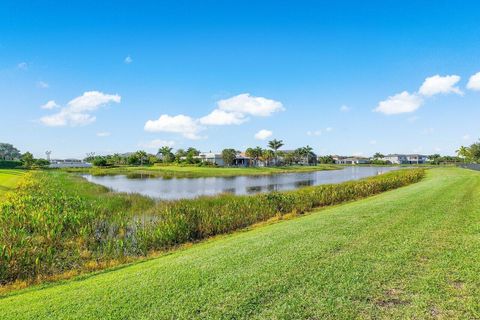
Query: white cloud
(128, 60)
(344, 108)
(66, 117)
(50, 105)
(474, 82)
(92, 100)
(373, 142)
(329, 129)
(22, 66)
(103, 134)
(400, 103)
(156, 144)
(263, 134)
(246, 104)
(314, 133)
(42, 85)
(438, 84)
(77, 112)
(176, 124)
(219, 118)
(466, 137)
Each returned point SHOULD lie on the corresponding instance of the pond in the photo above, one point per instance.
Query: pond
(188, 188)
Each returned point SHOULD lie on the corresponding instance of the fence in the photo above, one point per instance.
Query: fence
(472, 166)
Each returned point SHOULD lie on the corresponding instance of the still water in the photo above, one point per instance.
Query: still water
(187, 188)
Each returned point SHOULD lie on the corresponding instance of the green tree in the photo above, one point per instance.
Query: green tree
(474, 152)
(28, 160)
(100, 161)
(275, 145)
(178, 155)
(167, 155)
(267, 156)
(378, 155)
(9, 152)
(326, 160)
(254, 153)
(229, 156)
(142, 156)
(435, 158)
(464, 153)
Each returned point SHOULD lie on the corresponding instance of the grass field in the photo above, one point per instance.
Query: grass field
(9, 179)
(194, 171)
(413, 252)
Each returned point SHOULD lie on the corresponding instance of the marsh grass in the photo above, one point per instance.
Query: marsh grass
(56, 223)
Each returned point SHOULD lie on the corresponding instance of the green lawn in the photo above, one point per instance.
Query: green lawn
(194, 171)
(409, 253)
(9, 179)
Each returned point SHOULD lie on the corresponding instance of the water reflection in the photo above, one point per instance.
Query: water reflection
(183, 188)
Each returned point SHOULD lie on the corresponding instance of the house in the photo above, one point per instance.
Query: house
(212, 157)
(352, 160)
(241, 160)
(69, 163)
(405, 158)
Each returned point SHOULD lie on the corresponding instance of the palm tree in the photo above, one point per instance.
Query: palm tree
(267, 156)
(166, 152)
(275, 145)
(463, 152)
(308, 152)
(142, 156)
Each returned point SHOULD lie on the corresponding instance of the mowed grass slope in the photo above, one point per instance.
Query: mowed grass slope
(9, 179)
(413, 252)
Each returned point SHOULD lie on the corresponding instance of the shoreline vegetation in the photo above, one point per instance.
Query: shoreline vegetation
(55, 222)
(192, 171)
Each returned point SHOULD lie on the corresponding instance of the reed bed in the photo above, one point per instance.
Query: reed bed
(55, 222)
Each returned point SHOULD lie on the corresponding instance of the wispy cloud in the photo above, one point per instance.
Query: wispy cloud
(103, 134)
(22, 66)
(128, 60)
(344, 108)
(50, 105)
(42, 85)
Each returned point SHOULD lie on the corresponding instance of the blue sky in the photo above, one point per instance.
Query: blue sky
(307, 72)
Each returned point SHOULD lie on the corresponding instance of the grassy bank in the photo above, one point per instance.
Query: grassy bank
(56, 222)
(9, 179)
(196, 171)
(410, 253)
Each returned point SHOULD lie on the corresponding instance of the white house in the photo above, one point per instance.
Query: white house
(350, 160)
(212, 157)
(405, 158)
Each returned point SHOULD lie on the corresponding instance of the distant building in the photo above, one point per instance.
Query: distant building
(350, 160)
(212, 157)
(405, 158)
(69, 163)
